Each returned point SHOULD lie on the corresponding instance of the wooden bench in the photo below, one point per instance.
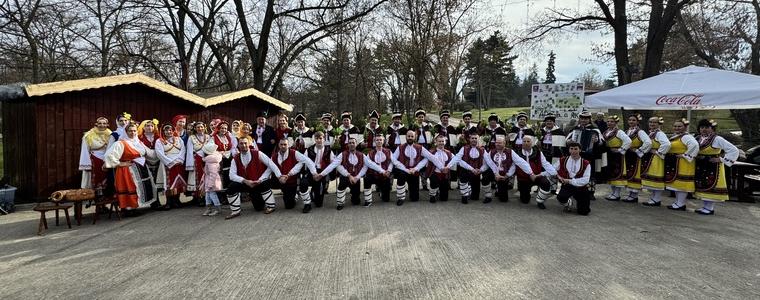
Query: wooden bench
(111, 204)
(44, 207)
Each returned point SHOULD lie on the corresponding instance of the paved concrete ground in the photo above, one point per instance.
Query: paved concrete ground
(418, 250)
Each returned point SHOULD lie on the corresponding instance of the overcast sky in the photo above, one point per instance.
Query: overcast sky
(571, 52)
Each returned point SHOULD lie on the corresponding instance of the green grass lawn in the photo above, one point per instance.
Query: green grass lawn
(503, 112)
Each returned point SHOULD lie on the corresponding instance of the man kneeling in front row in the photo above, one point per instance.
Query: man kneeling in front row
(574, 173)
(249, 172)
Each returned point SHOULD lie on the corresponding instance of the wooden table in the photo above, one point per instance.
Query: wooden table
(78, 209)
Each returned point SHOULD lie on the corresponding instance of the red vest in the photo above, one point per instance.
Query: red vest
(254, 169)
(506, 163)
(562, 172)
(475, 163)
(221, 147)
(405, 160)
(353, 169)
(286, 165)
(384, 164)
(148, 144)
(535, 164)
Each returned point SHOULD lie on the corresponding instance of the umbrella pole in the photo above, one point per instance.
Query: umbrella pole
(688, 118)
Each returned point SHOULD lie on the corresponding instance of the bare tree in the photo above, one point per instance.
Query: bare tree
(19, 18)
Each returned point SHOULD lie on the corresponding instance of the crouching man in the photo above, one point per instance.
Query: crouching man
(541, 167)
(249, 173)
(574, 173)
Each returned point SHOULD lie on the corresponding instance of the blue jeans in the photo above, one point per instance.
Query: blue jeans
(212, 197)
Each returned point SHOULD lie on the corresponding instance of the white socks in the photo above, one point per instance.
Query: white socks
(680, 199)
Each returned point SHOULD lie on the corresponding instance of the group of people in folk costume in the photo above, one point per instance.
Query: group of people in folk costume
(139, 162)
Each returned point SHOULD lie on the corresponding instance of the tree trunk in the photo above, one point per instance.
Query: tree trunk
(259, 57)
(621, 44)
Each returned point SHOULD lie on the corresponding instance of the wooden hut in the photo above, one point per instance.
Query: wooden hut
(43, 129)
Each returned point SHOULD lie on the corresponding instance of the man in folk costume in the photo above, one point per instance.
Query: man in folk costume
(92, 154)
(617, 143)
(640, 144)
(328, 129)
(590, 139)
(249, 173)
(493, 130)
(471, 162)
(147, 134)
(715, 153)
(422, 129)
(445, 129)
(264, 135)
(301, 133)
(322, 157)
(467, 127)
(194, 161)
(410, 159)
(179, 122)
(352, 165)
(345, 130)
(541, 170)
(290, 162)
(226, 145)
(680, 164)
(424, 132)
(383, 157)
(521, 129)
(574, 173)
(653, 162)
(171, 151)
(439, 177)
(395, 132)
(133, 181)
(371, 130)
(501, 162)
(552, 139)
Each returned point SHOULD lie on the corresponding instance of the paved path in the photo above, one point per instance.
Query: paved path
(418, 250)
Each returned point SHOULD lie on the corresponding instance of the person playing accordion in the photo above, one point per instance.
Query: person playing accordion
(590, 139)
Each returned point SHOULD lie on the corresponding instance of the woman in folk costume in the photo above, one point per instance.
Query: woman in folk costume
(194, 160)
(640, 144)
(283, 130)
(245, 131)
(147, 133)
(653, 162)
(122, 120)
(235, 128)
(134, 184)
(94, 145)
(618, 143)
(171, 151)
(679, 163)
(226, 145)
(714, 153)
(301, 133)
(179, 122)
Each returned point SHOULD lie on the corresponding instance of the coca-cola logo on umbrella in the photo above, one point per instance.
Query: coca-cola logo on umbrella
(680, 100)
